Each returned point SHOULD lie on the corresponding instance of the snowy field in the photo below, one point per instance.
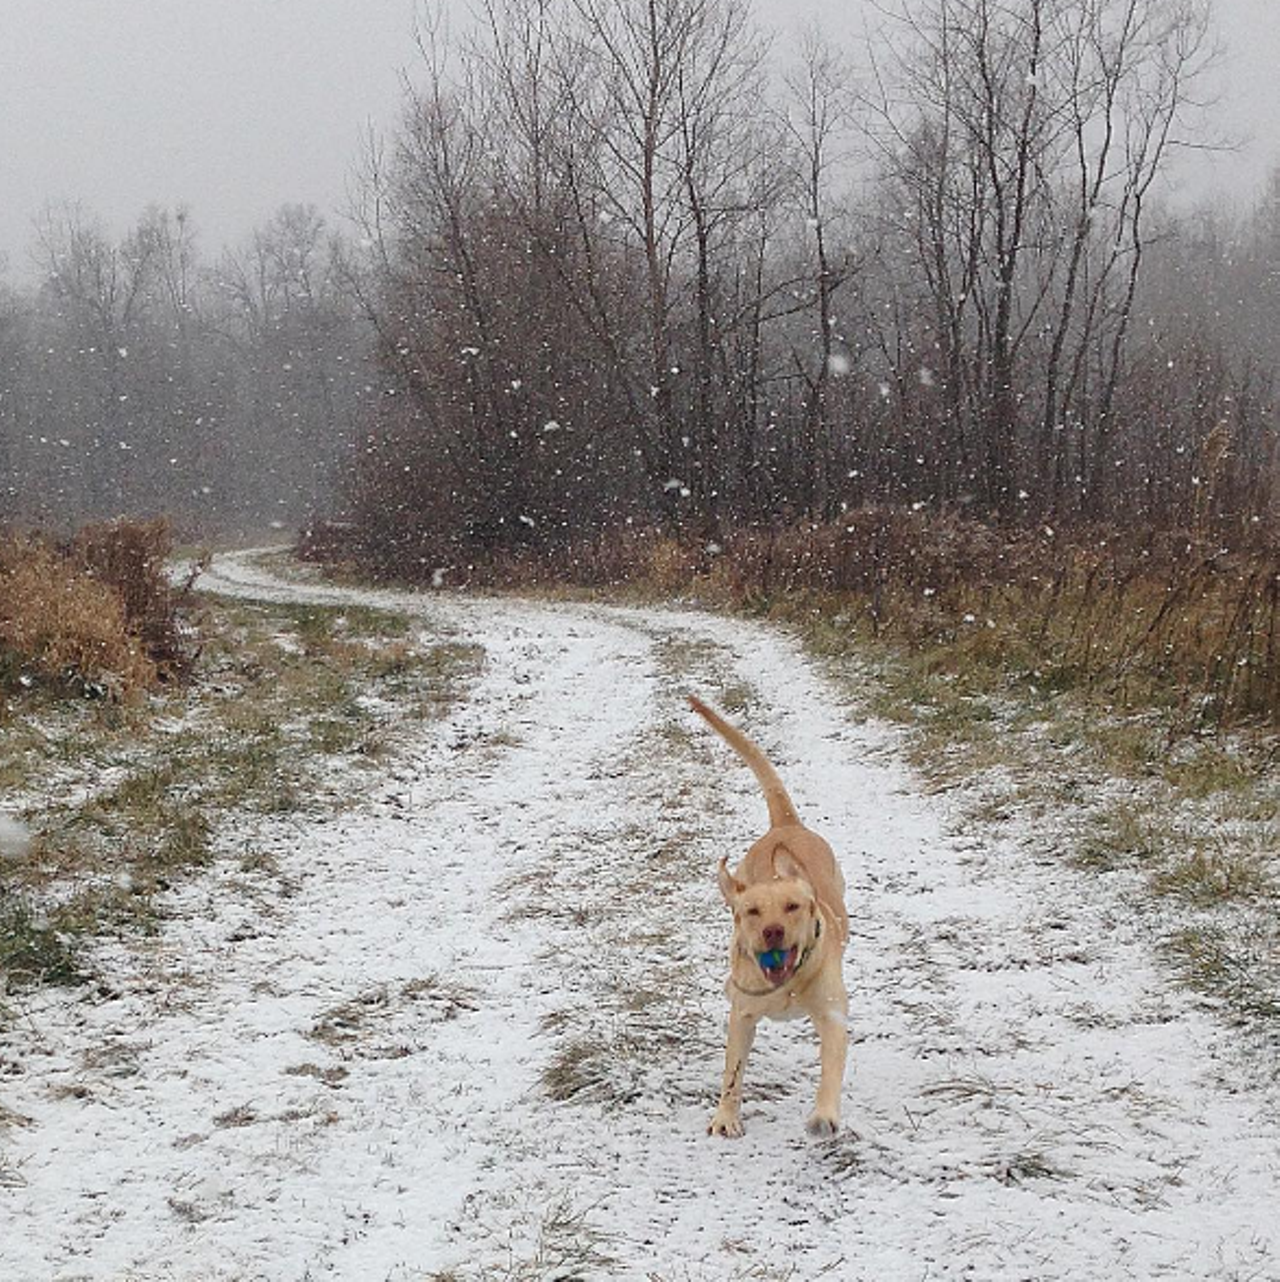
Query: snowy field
(472, 1028)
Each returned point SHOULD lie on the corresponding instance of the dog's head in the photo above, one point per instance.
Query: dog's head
(775, 922)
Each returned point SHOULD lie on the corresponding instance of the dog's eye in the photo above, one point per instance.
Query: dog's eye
(793, 908)
(753, 912)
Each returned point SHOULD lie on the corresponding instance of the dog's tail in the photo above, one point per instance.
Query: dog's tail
(781, 811)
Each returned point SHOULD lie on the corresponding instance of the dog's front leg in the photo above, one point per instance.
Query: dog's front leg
(742, 1033)
(833, 1032)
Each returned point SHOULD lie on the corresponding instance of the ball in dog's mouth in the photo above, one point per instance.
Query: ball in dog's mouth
(778, 964)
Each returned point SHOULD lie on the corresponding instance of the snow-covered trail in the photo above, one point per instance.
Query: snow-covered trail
(473, 1029)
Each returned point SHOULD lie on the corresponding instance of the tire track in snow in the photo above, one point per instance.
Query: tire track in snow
(1026, 1097)
(310, 1173)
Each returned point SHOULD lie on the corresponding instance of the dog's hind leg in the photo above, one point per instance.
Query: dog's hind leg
(728, 1116)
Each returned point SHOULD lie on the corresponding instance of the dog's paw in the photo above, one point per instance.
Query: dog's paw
(820, 1126)
(725, 1123)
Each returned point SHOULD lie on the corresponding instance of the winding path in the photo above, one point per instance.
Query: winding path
(473, 1027)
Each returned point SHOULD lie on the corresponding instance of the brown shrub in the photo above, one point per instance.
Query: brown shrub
(1160, 615)
(60, 626)
(327, 542)
(1169, 617)
(98, 614)
(131, 557)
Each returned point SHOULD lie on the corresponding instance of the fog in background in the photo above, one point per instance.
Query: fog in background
(572, 311)
(234, 108)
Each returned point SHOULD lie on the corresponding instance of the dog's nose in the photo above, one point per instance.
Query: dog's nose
(774, 935)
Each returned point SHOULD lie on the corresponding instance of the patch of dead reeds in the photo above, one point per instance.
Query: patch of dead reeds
(97, 615)
(1142, 616)
(60, 626)
(131, 556)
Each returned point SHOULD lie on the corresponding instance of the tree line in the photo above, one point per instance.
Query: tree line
(625, 274)
(619, 268)
(137, 378)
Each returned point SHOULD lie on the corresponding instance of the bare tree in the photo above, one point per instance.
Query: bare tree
(1034, 134)
(818, 116)
(289, 322)
(672, 77)
(102, 291)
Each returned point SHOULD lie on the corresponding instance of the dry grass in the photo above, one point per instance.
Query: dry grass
(1138, 617)
(1205, 878)
(98, 616)
(352, 1023)
(1167, 621)
(131, 557)
(61, 627)
(1237, 970)
(537, 1242)
(33, 952)
(285, 713)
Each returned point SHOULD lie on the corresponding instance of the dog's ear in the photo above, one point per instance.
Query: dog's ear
(730, 886)
(785, 864)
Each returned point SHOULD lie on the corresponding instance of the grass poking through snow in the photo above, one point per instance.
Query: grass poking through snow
(291, 706)
(1192, 823)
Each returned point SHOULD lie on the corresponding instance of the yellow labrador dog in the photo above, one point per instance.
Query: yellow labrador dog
(789, 933)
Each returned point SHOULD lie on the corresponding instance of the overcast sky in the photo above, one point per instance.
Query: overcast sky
(234, 107)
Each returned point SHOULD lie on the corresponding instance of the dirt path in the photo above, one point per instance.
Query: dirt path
(473, 1027)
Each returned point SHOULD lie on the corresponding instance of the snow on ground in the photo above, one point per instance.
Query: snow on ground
(473, 1027)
